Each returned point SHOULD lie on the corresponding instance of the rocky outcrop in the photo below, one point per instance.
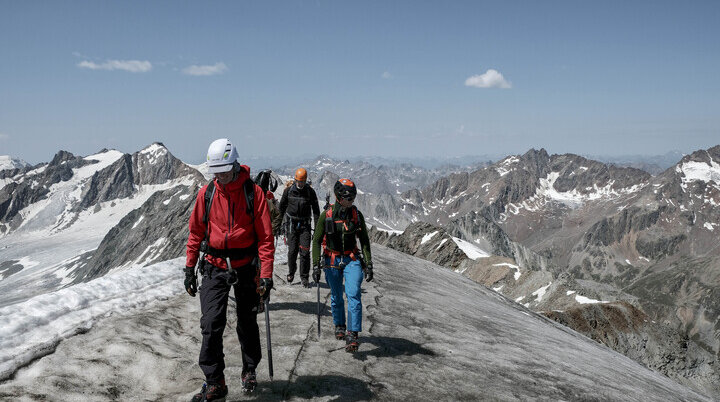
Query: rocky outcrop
(630, 331)
(613, 229)
(9, 267)
(659, 247)
(475, 226)
(425, 241)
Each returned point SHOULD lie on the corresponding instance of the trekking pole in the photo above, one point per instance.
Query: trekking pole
(318, 308)
(267, 331)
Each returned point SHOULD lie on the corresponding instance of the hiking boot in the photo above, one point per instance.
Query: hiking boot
(351, 342)
(305, 282)
(290, 278)
(339, 332)
(249, 381)
(212, 392)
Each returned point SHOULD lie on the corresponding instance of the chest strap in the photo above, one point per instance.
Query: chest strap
(334, 254)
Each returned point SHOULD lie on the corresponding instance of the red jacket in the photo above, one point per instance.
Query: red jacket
(230, 226)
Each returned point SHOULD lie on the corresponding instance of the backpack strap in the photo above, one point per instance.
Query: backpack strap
(249, 187)
(209, 195)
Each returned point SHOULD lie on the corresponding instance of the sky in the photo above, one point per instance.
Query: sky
(392, 79)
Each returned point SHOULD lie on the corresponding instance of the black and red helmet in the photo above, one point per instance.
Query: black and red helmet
(345, 189)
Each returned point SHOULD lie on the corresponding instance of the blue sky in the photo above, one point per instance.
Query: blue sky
(425, 78)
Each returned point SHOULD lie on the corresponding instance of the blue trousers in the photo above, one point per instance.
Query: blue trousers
(352, 274)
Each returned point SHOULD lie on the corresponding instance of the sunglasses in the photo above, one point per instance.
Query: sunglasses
(348, 199)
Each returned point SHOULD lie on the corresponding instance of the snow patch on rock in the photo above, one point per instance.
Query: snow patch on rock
(586, 300)
(427, 237)
(471, 250)
(541, 292)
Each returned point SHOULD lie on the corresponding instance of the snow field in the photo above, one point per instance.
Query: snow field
(32, 328)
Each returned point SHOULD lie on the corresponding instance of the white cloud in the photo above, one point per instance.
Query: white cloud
(386, 75)
(491, 79)
(133, 66)
(217, 68)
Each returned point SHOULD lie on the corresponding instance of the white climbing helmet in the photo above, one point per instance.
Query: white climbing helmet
(221, 155)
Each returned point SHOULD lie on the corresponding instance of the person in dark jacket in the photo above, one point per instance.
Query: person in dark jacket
(235, 227)
(341, 226)
(297, 204)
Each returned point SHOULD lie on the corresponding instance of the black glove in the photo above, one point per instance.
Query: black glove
(266, 284)
(316, 274)
(190, 281)
(369, 272)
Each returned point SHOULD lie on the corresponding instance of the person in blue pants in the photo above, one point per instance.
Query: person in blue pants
(345, 264)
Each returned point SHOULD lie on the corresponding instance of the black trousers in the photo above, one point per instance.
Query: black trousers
(214, 293)
(299, 242)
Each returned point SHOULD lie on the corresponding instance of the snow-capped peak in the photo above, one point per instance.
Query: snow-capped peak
(9, 162)
(154, 151)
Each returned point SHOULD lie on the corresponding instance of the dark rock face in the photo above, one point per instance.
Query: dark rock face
(611, 230)
(113, 182)
(9, 267)
(659, 247)
(10, 173)
(157, 231)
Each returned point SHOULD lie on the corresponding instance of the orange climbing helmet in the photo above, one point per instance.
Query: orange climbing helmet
(301, 174)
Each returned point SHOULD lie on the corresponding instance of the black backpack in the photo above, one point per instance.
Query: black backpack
(266, 181)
